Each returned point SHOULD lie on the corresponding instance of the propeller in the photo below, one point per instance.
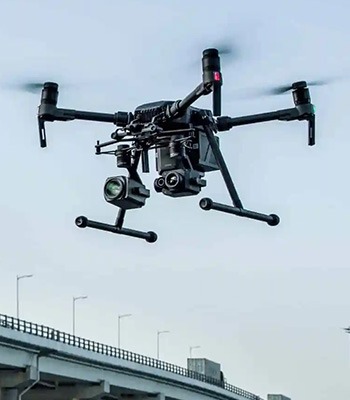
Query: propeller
(286, 88)
(34, 87)
(248, 93)
(228, 52)
(281, 89)
(30, 85)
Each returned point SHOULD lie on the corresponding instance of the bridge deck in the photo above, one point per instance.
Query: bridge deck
(81, 360)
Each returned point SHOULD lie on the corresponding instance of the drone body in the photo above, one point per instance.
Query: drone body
(186, 144)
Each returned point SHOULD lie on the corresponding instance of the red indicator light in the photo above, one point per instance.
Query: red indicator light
(217, 76)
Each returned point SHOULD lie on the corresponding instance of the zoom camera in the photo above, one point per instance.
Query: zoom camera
(125, 193)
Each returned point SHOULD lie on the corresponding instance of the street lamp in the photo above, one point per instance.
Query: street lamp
(74, 300)
(19, 277)
(119, 318)
(158, 334)
(192, 348)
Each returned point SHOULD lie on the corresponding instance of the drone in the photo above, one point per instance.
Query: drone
(186, 144)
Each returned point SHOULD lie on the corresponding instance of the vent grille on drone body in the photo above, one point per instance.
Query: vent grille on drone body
(146, 112)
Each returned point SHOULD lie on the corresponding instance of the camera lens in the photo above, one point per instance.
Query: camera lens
(159, 184)
(115, 188)
(173, 179)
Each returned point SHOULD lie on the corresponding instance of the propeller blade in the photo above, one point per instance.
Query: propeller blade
(278, 90)
(228, 52)
(31, 87)
(28, 87)
(286, 88)
(321, 82)
(35, 86)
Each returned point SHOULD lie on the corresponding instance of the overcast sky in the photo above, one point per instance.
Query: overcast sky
(269, 304)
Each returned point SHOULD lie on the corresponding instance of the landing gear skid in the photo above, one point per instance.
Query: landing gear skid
(83, 222)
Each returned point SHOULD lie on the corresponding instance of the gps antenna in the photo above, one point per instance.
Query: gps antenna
(212, 75)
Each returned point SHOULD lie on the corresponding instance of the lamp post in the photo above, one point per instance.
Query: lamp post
(119, 318)
(18, 278)
(192, 348)
(158, 334)
(74, 300)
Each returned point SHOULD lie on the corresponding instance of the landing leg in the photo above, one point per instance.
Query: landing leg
(237, 209)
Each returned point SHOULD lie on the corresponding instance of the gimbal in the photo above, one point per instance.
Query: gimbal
(187, 134)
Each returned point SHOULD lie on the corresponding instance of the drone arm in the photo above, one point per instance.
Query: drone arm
(49, 112)
(226, 123)
(69, 115)
(180, 106)
(300, 112)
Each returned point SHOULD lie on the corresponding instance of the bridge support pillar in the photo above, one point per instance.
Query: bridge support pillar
(8, 394)
(92, 392)
(12, 384)
(19, 380)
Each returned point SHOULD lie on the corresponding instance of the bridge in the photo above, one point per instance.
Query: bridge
(41, 363)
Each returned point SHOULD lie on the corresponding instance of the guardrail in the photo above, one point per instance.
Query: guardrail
(53, 334)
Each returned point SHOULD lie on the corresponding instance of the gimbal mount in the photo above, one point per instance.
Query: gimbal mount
(174, 125)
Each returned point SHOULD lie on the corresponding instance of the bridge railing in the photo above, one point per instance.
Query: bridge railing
(63, 337)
